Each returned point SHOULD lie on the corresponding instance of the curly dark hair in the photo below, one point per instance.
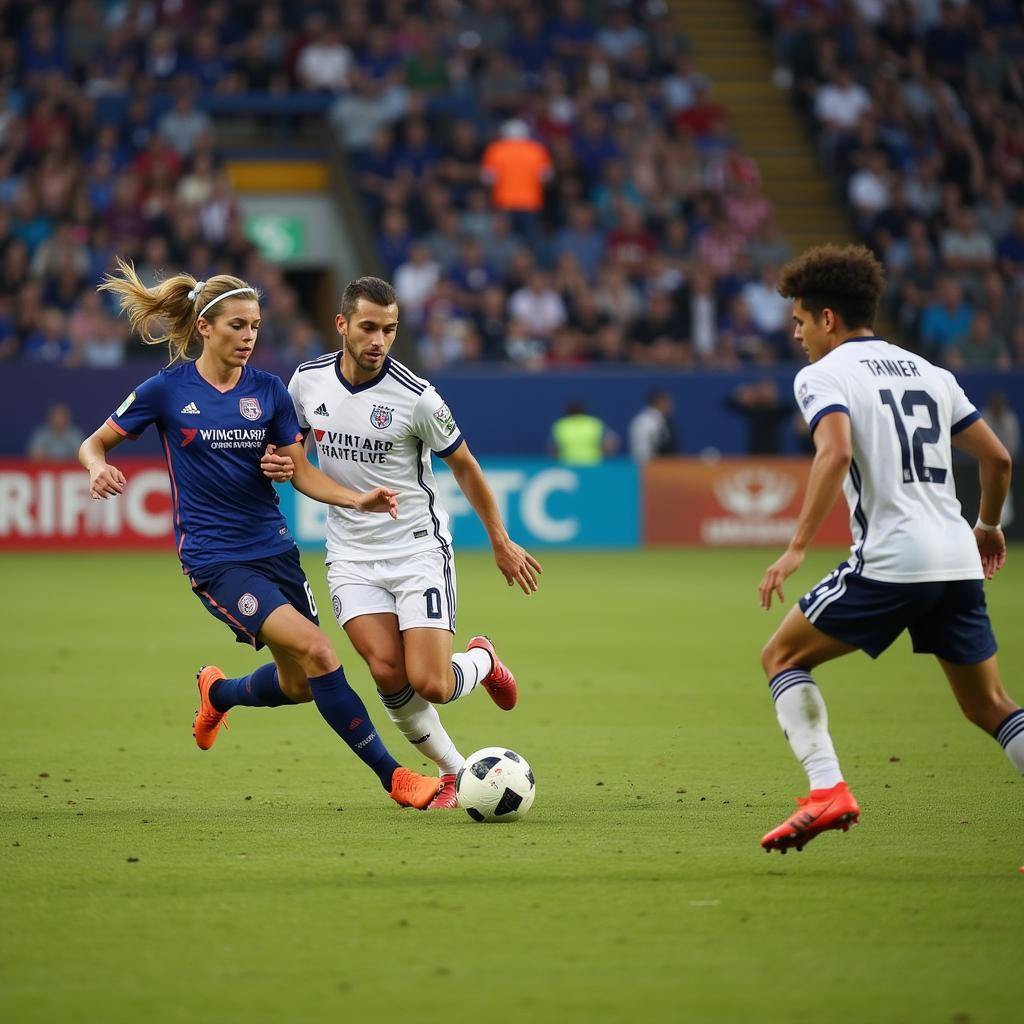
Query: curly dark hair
(374, 289)
(844, 278)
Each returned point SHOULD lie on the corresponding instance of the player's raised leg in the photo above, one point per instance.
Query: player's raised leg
(787, 659)
(499, 682)
(288, 633)
(217, 695)
(243, 597)
(377, 640)
(980, 694)
(438, 675)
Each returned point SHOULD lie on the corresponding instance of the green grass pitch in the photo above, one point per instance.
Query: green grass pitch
(270, 880)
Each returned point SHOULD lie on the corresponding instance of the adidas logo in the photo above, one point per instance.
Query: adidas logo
(191, 409)
(321, 410)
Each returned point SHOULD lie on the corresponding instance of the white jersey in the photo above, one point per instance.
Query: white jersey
(904, 514)
(378, 434)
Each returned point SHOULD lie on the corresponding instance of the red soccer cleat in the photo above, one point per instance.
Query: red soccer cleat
(820, 810)
(446, 798)
(410, 789)
(499, 682)
(208, 719)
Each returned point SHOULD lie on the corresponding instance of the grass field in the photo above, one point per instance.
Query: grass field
(271, 880)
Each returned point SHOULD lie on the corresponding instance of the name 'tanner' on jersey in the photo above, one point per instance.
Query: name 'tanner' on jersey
(904, 514)
(377, 434)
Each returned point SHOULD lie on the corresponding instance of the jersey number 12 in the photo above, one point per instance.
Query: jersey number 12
(921, 437)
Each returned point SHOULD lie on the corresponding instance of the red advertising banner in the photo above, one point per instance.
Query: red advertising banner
(731, 502)
(48, 506)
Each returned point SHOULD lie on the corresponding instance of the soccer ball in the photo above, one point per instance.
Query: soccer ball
(495, 784)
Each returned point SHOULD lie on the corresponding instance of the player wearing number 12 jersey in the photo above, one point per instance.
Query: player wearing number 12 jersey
(883, 421)
(370, 418)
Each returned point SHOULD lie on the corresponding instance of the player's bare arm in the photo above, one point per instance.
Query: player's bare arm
(994, 470)
(833, 452)
(105, 481)
(516, 564)
(317, 485)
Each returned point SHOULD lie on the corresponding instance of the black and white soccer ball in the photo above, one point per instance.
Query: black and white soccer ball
(495, 784)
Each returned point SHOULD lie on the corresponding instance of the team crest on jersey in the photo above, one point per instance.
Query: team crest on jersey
(248, 605)
(381, 416)
(250, 408)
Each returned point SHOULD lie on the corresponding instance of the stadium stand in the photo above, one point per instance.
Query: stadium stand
(546, 186)
(916, 109)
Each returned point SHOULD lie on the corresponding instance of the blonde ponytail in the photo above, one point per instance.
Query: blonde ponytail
(175, 301)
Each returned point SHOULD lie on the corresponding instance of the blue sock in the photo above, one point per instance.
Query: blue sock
(346, 714)
(259, 689)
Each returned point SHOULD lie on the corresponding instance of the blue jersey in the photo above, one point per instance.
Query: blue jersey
(225, 509)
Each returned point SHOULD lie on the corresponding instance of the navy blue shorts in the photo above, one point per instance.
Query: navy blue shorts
(947, 618)
(243, 594)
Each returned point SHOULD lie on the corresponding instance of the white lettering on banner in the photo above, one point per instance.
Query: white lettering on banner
(747, 531)
(74, 503)
(15, 505)
(513, 489)
(45, 510)
(504, 483)
(140, 519)
(534, 510)
(450, 495)
(57, 504)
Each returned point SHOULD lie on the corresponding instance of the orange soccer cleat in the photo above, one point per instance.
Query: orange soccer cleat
(499, 682)
(446, 798)
(820, 810)
(208, 719)
(410, 789)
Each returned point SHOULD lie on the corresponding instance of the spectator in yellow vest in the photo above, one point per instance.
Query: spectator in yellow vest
(579, 439)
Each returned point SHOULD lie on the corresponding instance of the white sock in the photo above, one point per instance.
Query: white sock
(801, 712)
(419, 722)
(1011, 737)
(469, 668)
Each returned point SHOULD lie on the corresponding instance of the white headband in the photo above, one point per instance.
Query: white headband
(223, 295)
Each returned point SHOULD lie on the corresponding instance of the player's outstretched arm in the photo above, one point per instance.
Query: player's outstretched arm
(833, 452)
(316, 484)
(994, 470)
(516, 564)
(105, 481)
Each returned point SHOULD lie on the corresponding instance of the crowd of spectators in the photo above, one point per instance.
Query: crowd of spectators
(547, 186)
(559, 188)
(917, 107)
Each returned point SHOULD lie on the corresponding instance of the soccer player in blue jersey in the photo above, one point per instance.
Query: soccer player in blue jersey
(217, 417)
(884, 421)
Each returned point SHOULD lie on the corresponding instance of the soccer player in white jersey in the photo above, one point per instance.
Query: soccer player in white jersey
(393, 590)
(883, 420)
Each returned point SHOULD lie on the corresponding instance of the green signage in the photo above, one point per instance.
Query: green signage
(279, 237)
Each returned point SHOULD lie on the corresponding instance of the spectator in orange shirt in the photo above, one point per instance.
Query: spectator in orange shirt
(517, 168)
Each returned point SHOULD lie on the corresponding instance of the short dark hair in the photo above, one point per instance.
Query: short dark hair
(374, 289)
(847, 279)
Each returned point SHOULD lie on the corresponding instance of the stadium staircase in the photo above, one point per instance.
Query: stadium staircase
(728, 47)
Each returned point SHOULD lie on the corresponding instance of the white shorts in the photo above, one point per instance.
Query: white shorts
(419, 589)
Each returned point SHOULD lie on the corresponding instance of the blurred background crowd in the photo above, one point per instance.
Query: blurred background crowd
(547, 185)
